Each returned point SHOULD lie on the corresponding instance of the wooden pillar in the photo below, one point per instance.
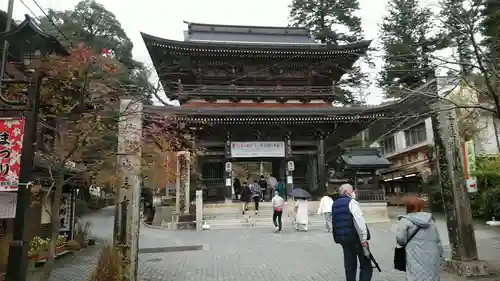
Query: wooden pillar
(321, 163)
(464, 256)
(276, 168)
(228, 170)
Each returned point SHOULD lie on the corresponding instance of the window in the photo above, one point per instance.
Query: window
(388, 145)
(415, 135)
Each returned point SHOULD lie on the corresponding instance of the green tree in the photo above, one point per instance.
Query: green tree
(92, 24)
(456, 32)
(407, 43)
(324, 17)
(333, 22)
(491, 30)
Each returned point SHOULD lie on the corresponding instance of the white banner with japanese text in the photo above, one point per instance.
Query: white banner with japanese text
(255, 149)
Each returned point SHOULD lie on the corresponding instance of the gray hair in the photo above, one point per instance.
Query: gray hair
(345, 188)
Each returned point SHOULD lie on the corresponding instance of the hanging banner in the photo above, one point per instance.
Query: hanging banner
(11, 140)
(255, 149)
(469, 166)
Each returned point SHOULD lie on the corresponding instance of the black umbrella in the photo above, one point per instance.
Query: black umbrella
(299, 193)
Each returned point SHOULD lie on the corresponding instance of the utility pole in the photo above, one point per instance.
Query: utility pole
(129, 194)
(18, 251)
(8, 25)
(464, 257)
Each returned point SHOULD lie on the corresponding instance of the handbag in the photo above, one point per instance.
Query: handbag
(400, 254)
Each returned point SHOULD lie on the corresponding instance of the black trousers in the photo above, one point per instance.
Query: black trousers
(256, 200)
(352, 254)
(277, 219)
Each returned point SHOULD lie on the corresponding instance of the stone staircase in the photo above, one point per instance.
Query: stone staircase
(229, 216)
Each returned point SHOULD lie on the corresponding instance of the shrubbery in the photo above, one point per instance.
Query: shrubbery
(485, 204)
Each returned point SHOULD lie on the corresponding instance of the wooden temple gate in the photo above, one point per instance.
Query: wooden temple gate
(241, 85)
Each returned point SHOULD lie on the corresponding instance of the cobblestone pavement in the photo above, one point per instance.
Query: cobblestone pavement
(258, 254)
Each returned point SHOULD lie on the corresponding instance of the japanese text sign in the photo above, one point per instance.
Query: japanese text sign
(11, 140)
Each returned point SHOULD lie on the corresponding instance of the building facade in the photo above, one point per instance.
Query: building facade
(260, 94)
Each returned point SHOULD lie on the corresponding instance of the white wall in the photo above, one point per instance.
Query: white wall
(400, 140)
(486, 141)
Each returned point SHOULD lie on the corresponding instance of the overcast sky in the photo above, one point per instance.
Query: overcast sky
(164, 18)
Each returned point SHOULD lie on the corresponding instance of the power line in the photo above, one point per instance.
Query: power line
(30, 10)
(52, 22)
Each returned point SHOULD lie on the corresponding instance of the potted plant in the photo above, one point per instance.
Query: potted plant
(37, 250)
(82, 233)
(61, 244)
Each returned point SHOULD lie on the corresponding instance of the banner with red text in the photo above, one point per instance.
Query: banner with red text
(11, 140)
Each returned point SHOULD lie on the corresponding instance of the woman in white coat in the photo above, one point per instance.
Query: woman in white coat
(325, 208)
(301, 214)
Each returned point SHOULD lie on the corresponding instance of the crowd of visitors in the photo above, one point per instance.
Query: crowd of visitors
(419, 251)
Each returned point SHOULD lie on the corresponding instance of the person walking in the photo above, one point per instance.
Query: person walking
(278, 204)
(301, 214)
(245, 197)
(350, 231)
(325, 209)
(263, 186)
(417, 232)
(256, 195)
(271, 186)
(237, 188)
(281, 189)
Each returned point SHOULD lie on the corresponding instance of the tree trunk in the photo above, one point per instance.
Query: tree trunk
(54, 213)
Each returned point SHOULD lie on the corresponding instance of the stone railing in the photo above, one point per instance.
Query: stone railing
(370, 196)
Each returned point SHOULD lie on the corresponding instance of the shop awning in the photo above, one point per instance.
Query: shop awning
(412, 169)
(364, 159)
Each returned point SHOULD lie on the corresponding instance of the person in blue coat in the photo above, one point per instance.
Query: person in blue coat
(350, 231)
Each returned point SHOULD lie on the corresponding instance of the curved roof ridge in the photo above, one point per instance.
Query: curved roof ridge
(356, 45)
(247, 26)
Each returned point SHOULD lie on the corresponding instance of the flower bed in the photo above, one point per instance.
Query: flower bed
(39, 248)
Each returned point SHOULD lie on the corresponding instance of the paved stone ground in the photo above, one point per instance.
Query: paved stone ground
(256, 254)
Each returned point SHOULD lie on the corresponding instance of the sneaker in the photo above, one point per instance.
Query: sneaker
(276, 229)
(242, 212)
(256, 212)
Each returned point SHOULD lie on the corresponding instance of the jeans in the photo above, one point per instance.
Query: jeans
(328, 221)
(353, 253)
(277, 217)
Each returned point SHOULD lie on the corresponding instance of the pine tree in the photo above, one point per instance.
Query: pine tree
(408, 44)
(321, 17)
(333, 22)
(453, 13)
(491, 32)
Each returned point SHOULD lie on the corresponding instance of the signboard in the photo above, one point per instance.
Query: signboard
(65, 212)
(255, 149)
(469, 166)
(291, 166)
(11, 142)
(8, 202)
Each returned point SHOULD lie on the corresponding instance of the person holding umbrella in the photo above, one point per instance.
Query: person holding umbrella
(301, 208)
(350, 231)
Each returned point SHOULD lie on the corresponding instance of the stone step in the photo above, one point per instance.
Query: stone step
(265, 222)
